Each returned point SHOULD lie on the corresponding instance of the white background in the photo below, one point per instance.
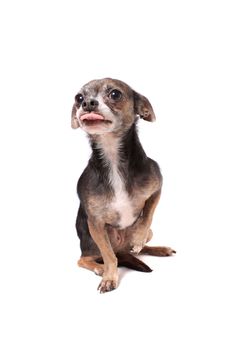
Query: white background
(179, 55)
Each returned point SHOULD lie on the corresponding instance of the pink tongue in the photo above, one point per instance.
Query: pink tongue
(91, 116)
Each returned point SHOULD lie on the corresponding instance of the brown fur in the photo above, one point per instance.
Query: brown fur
(112, 242)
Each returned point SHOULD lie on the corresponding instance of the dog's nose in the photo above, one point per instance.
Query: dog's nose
(90, 105)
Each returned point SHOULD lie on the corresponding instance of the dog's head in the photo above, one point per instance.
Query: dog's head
(109, 105)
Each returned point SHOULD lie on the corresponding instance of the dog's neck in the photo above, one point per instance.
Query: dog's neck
(118, 153)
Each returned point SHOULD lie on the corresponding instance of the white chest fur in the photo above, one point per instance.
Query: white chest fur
(121, 202)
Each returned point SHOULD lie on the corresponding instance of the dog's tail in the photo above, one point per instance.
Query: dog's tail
(130, 261)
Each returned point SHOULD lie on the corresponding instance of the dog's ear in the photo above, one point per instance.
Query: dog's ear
(74, 119)
(143, 107)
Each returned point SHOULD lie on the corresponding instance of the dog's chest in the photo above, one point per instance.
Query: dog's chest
(121, 203)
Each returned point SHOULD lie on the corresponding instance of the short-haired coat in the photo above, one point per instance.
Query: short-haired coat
(120, 187)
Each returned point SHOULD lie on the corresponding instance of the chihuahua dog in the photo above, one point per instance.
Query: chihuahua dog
(120, 187)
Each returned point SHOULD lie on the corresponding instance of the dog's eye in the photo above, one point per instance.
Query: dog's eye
(115, 95)
(79, 98)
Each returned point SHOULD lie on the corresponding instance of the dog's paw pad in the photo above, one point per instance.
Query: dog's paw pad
(107, 286)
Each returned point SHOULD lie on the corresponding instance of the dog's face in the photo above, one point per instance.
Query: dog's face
(109, 105)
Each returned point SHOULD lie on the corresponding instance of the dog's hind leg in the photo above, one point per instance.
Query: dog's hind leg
(89, 262)
(157, 251)
(90, 251)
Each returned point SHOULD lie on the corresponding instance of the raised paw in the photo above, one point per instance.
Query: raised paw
(107, 285)
(136, 248)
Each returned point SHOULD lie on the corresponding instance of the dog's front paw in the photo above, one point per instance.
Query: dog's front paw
(107, 285)
(135, 249)
(136, 246)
